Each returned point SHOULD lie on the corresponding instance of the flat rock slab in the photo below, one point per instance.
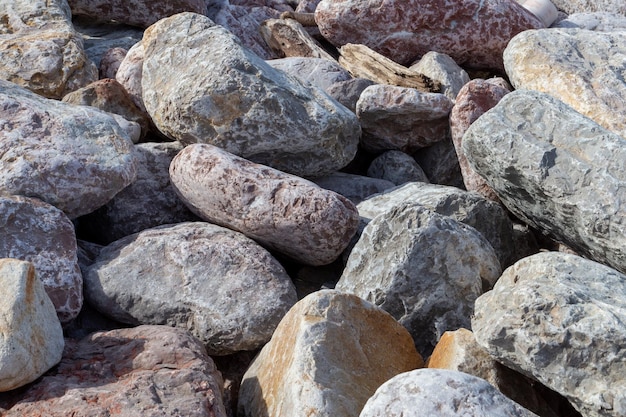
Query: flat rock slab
(555, 169)
(151, 370)
(31, 341)
(75, 158)
(282, 211)
(473, 32)
(238, 102)
(42, 234)
(221, 286)
(326, 358)
(584, 69)
(560, 319)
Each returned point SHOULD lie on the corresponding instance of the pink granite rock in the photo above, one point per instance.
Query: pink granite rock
(111, 61)
(474, 99)
(473, 32)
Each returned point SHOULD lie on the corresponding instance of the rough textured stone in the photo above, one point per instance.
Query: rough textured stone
(581, 6)
(40, 50)
(355, 188)
(326, 358)
(438, 392)
(31, 341)
(598, 21)
(288, 38)
(282, 211)
(559, 318)
(348, 92)
(440, 163)
(111, 61)
(130, 74)
(42, 234)
(474, 99)
(238, 102)
(75, 158)
(401, 118)
(473, 32)
(544, 10)
(425, 269)
(397, 167)
(442, 68)
(318, 71)
(556, 170)
(586, 70)
(150, 370)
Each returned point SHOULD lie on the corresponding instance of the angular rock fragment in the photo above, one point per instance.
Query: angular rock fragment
(440, 67)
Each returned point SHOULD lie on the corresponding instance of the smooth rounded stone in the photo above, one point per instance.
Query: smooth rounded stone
(40, 50)
(401, 118)
(487, 217)
(111, 61)
(130, 74)
(559, 318)
(42, 234)
(146, 370)
(317, 71)
(556, 170)
(355, 188)
(31, 341)
(348, 92)
(586, 71)
(544, 10)
(584, 6)
(440, 163)
(131, 129)
(423, 268)
(221, 286)
(598, 21)
(472, 32)
(148, 202)
(474, 99)
(240, 103)
(286, 213)
(397, 167)
(327, 357)
(75, 158)
(439, 392)
(440, 67)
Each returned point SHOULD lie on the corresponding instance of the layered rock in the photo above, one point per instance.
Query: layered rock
(221, 286)
(327, 357)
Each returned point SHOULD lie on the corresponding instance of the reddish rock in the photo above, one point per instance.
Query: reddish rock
(473, 32)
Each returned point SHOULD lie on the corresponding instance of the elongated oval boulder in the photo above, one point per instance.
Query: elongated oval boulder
(560, 319)
(327, 357)
(31, 341)
(556, 170)
(236, 101)
(218, 284)
(287, 213)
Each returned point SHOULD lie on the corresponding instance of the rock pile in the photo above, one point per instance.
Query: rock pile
(334, 208)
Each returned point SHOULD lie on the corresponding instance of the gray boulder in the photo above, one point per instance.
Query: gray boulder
(598, 21)
(317, 71)
(397, 167)
(355, 188)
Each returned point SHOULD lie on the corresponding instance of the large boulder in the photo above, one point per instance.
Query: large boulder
(236, 101)
(616, 7)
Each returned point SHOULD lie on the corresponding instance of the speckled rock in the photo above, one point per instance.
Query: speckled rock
(397, 167)
(599, 21)
(318, 71)
(31, 341)
(401, 118)
(440, 163)
(438, 392)
(559, 318)
(239, 103)
(218, 284)
(556, 170)
(473, 32)
(130, 74)
(442, 68)
(326, 358)
(75, 158)
(42, 234)
(425, 269)
(151, 370)
(111, 61)
(348, 92)
(40, 50)
(582, 6)
(355, 188)
(474, 99)
(586, 71)
(285, 212)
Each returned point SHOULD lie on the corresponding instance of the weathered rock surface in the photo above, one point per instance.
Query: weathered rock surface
(599, 21)
(130, 74)
(318, 71)
(582, 6)
(348, 92)
(401, 118)
(586, 70)
(75, 158)
(556, 170)
(111, 60)
(221, 286)
(151, 370)
(397, 167)
(559, 318)
(442, 68)
(288, 38)
(40, 50)
(355, 188)
(42, 234)
(437, 392)
(474, 99)
(285, 212)
(274, 120)
(474, 33)
(425, 269)
(31, 341)
(326, 358)
(440, 163)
